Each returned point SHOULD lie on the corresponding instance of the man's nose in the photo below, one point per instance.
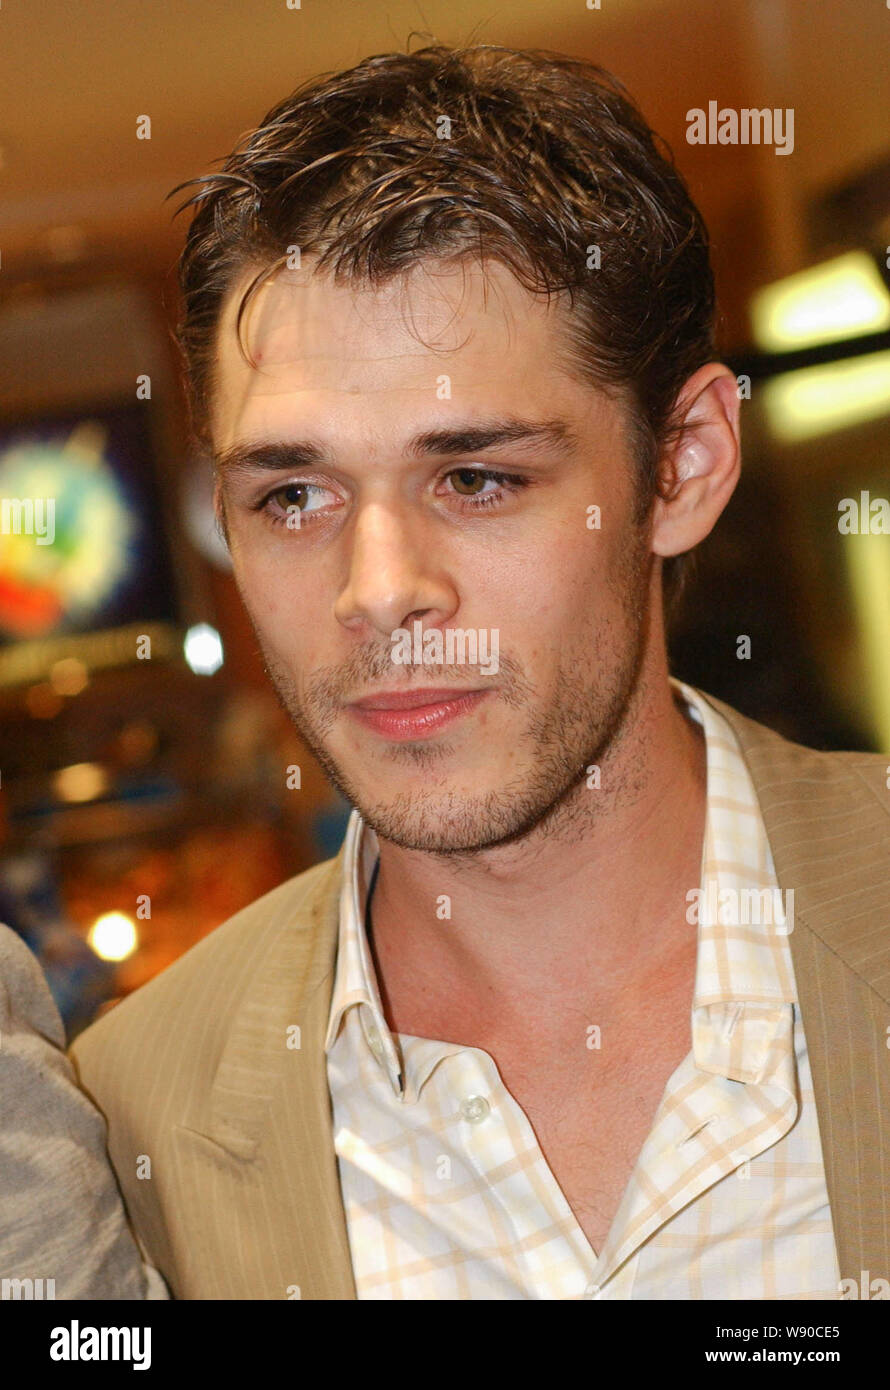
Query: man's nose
(395, 574)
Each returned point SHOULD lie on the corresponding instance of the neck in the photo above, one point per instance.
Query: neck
(595, 894)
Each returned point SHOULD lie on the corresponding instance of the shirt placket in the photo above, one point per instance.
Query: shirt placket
(708, 1125)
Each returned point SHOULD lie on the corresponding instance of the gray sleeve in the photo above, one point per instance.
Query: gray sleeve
(61, 1213)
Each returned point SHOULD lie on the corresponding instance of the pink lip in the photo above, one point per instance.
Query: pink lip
(414, 713)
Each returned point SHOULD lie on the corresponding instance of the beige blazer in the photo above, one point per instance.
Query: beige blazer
(201, 1090)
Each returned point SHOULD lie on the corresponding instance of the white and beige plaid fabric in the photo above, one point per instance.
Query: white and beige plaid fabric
(447, 1193)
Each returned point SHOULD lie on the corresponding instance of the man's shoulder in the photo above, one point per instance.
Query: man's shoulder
(202, 990)
(827, 820)
(767, 749)
(24, 994)
(57, 1190)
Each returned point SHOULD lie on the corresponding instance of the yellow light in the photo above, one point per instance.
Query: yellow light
(868, 565)
(113, 936)
(68, 676)
(80, 782)
(841, 298)
(816, 400)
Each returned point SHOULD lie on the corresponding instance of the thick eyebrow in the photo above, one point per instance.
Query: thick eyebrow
(474, 438)
(453, 440)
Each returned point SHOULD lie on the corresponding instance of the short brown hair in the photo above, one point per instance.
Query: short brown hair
(545, 158)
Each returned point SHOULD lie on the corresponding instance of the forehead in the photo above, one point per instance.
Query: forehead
(318, 345)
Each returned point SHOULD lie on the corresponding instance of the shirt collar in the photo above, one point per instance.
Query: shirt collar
(744, 978)
(744, 981)
(743, 953)
(355, 980)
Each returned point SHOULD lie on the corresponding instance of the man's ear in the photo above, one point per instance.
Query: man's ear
(701, 466)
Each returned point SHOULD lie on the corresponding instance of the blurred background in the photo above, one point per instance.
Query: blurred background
(143, 787)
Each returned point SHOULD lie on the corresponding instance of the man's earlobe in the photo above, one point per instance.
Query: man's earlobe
(701, 465)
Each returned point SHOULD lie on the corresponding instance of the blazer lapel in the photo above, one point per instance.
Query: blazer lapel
(826, 817)
(257, 1165)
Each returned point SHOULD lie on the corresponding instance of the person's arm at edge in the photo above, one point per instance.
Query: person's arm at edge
(62, 1217)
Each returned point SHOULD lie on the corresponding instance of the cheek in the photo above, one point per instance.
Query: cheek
(557, 588)
(261, 590)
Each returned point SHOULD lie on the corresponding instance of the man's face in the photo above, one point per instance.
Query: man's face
(394, 516)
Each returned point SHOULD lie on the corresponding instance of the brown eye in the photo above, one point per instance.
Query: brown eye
(294, 495)
(470, 480)
(298, 501)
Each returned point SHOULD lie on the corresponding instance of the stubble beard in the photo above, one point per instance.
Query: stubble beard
(583, 726)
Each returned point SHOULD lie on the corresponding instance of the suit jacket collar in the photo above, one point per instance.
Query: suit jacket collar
(266, 1064)
(280, 995)
(827, 818)
(828, 828)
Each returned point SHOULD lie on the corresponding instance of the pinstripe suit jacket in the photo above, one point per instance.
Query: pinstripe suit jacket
(195, 1073)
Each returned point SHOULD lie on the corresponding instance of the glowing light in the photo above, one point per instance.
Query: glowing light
(113, 936)
(868, 565)
(69, 550)
(800, 405)
(80, 782)
(838, 299)
(203, 649)
(69, 676)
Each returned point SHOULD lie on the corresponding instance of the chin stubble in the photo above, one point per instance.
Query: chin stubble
(583, 726)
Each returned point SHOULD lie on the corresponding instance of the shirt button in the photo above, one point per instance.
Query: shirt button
(475, 1109)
